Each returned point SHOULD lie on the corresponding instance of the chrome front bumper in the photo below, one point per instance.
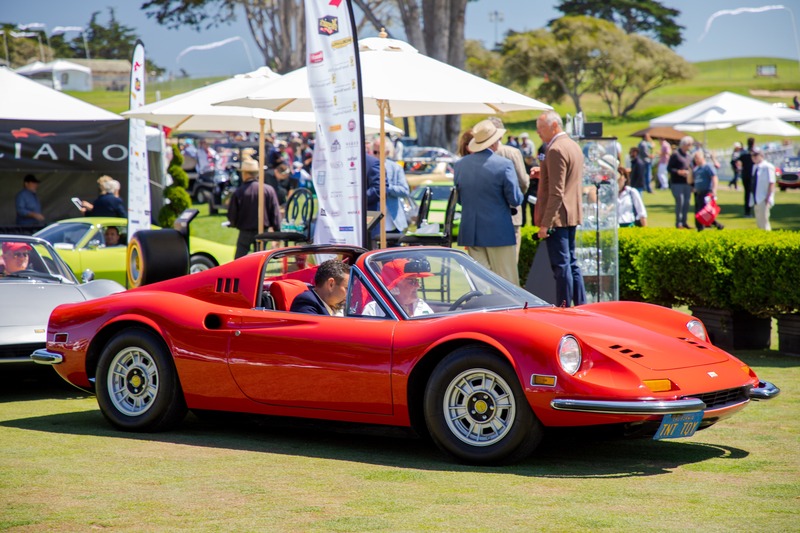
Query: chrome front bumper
(641, 407)
(45, 357)
(764, 391)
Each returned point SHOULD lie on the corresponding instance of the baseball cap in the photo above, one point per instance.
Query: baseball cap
(10, 247)
(397, 270)
(30, 178)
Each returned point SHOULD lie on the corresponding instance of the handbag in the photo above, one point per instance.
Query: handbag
(708, 213)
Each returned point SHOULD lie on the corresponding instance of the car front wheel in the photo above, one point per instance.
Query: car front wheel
(476, 410)
(137, 384)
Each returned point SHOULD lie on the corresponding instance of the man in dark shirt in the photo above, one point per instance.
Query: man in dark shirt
(746, 158)
(243, 209)
(329, 293)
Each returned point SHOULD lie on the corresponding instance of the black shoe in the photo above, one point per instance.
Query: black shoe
(719, 226)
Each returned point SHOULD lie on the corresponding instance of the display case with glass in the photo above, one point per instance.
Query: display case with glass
(596, 239)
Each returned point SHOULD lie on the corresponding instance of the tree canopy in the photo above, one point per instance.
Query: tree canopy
(580, 55)
(648, 17)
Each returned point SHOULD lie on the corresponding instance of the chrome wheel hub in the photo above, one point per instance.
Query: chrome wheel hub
(133, 381)
(479, 407)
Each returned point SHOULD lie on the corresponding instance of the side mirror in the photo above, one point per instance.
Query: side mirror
(94, 244)
(87, 275)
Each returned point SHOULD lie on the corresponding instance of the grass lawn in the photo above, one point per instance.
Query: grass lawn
(65, 469)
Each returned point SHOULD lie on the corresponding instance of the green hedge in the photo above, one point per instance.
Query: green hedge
(750, 270)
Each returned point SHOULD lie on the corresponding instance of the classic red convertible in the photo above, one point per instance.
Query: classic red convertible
(483, 368)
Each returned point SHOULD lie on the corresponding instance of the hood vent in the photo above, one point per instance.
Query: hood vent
(626, 351)
(227, 285)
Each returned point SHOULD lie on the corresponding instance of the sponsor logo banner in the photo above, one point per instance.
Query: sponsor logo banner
(335, 93)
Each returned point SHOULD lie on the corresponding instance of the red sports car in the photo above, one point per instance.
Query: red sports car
(427, 338)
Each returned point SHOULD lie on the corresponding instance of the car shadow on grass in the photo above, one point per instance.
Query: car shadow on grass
(581, 454)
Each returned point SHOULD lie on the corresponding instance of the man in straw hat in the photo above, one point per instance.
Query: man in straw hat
(243, 209)
(488, 191)
(559, 207)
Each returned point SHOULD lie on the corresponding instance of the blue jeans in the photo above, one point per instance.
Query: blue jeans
(569, 281)
(682, 193)
(648, 177)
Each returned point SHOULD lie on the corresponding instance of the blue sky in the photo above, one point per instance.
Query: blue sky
(767, 34)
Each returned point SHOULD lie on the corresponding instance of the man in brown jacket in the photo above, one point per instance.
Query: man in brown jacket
(559, 206)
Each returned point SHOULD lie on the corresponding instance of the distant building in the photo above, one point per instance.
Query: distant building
(109, 74)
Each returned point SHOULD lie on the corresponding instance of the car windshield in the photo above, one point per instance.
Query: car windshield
(64, 232)
(32, 259)
(432, 281)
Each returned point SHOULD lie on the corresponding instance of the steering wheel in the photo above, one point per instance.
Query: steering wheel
(463, 299)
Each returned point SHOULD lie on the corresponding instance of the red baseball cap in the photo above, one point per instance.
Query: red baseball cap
(15, 247)
(397, 270)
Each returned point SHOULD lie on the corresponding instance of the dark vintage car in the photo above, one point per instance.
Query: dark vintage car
(787, 173)
(428, 339)
(33, 281)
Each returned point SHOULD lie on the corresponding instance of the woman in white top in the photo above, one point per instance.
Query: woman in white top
(630, 207)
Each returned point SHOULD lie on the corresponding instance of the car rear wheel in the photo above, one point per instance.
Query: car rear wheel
(137, 385)
(476, 410)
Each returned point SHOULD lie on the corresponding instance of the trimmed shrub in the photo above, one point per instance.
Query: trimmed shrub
(176, 196)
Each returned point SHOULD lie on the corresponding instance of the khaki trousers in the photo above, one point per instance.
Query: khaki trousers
(502, 260)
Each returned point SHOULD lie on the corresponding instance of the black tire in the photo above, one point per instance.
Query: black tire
(491, 425)
(199, 263)
(137, 385)
(156, 255)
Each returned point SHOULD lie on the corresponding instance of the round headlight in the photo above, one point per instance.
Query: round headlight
(569, 354)
(696, 328)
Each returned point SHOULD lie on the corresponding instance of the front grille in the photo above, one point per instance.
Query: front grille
(18, 351)
(721, 398)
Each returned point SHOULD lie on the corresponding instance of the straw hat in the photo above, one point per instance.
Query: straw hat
(485, 134)
(249, 165)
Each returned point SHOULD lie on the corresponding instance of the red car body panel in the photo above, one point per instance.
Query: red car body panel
(231, 355)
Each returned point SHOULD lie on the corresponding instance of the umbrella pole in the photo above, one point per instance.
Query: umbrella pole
(261, 175)
(382, 104)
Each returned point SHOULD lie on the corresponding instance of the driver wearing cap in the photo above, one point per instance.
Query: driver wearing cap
(401, 277)
(15, 256)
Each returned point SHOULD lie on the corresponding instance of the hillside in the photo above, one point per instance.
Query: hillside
(735, 75)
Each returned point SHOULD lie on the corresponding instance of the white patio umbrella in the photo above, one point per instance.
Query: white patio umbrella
(193, 111)
(769, 126)
(398, 81)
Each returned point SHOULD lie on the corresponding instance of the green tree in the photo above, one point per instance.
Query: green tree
(176, 196)
(643, 66)
(109, 40)
(483, 62)
(565, 56)
(648, 17)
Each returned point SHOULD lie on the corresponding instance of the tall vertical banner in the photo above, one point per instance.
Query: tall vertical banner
(138, 178)
(334, 81)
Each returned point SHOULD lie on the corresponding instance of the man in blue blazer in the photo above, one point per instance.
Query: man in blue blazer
(329, 293)
(488, 192)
